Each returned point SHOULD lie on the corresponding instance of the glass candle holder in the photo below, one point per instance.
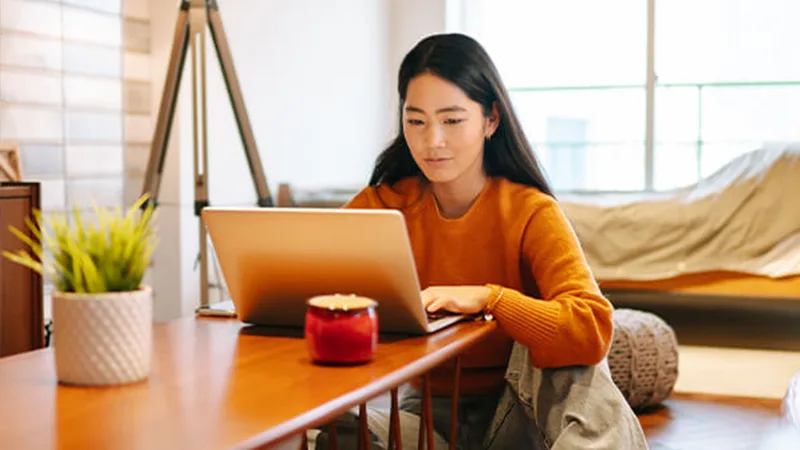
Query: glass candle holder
(341, 329)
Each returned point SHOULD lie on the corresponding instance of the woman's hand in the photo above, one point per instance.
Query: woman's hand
(457, 299)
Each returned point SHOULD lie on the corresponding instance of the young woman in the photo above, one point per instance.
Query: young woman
(486, 232)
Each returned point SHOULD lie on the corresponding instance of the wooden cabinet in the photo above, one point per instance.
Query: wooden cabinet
(21, 299)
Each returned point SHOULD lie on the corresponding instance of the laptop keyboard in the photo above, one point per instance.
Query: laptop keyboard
(440, 315)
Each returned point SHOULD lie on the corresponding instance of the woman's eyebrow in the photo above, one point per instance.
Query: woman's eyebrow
(453, 108)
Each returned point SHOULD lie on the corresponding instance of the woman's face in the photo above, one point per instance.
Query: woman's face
(445, 129)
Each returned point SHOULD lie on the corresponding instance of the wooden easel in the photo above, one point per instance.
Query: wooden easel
(10, 165)
(195, 18)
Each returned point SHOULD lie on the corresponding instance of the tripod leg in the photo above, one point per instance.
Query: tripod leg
(166, 110)
(237, 100)
(197, 37)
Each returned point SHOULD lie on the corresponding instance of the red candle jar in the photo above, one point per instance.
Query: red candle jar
(341, 329)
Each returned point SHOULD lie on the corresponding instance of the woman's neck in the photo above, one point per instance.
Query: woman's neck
(456, 197)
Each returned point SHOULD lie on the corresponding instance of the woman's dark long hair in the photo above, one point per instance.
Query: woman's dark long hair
(464, 62)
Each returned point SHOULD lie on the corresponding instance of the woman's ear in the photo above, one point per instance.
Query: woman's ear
(492, 121)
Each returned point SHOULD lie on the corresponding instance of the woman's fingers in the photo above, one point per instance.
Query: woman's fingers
(439, 298)
(440, 303)
(428, 298)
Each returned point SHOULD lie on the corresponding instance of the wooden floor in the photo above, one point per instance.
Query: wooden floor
(695, 421)
(689, 422)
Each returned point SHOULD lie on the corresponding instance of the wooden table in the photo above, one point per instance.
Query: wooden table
(214, 384)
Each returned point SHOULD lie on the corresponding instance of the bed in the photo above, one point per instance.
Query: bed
(713, 289)
(732, 237)
(715, 283)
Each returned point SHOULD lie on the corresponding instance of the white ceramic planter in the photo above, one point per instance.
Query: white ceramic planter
(103, 339)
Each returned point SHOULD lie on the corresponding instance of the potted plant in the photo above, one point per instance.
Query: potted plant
(102, 313)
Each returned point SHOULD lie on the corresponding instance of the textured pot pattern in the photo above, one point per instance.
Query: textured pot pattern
(103, 339)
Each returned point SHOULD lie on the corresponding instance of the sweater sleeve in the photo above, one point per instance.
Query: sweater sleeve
(572, 323)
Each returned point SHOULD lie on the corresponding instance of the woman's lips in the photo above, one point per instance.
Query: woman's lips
(437, 162)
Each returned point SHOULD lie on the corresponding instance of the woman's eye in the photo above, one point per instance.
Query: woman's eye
(453, 121)
(414, 121)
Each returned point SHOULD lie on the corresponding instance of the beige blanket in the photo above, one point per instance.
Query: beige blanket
(744, 218)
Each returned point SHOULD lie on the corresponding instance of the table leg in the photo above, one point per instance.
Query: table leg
(333, 437)
(363, 438)
(421, 440)
(395, 440)
(454, 412)
(304, 440)
(426, 416)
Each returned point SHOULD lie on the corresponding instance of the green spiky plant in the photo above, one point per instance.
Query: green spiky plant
(110, 255)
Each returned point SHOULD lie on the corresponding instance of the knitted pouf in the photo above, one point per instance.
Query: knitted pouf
(643, 357)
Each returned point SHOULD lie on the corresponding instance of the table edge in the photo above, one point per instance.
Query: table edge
(339, 406)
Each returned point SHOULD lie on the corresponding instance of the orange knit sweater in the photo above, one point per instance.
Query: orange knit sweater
(515, 240)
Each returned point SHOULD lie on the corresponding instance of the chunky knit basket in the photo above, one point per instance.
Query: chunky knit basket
(643, 358)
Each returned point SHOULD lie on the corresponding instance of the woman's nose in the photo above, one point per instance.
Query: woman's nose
(435, 136)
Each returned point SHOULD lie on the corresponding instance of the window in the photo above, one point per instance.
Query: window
(726, 79)
(577, 125)
(566, 154)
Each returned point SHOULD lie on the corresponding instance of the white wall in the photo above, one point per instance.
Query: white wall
(410, 21)
(319, 84)
(313, 74)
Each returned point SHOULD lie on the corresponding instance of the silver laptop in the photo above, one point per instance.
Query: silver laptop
(274, 259)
